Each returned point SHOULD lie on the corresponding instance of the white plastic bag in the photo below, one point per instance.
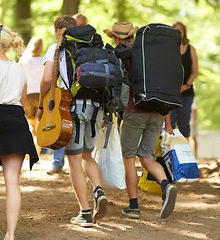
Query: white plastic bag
(110, 160)
(177, 150)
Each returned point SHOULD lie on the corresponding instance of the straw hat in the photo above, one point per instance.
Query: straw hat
(121, 30)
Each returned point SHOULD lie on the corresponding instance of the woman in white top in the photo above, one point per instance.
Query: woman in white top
(15, 138)
(32, 62)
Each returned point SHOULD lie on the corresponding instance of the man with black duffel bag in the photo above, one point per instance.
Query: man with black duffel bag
(140, 130)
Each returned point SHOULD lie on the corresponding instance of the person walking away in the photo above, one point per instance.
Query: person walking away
(32, 62)
(58, 160)
(15, 138)
(81, 20)
(181, 116)
(79, 155)
(193, 128)
(139, 132)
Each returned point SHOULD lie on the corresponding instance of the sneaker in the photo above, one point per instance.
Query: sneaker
(100, 204)
(53, 169)
(168, 201)
(84, 219)
(131, 213)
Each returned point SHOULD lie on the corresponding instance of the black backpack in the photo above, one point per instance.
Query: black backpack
(94, 72)
(157, 72)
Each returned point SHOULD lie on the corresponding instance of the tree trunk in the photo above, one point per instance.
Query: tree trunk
(70, 7)
(23, 19)
(120, 10)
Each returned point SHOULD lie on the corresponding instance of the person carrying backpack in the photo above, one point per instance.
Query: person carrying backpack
(59, 155)
(140, 131)
(79, 153)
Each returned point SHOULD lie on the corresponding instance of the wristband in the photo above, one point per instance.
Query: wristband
(40, 108)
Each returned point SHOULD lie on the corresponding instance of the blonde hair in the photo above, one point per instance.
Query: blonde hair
(35, 46)
(10, 39)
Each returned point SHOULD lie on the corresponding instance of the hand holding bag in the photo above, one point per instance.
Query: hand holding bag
(176, 148)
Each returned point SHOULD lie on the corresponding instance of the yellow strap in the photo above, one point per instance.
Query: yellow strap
(69, 38)
(115, 120)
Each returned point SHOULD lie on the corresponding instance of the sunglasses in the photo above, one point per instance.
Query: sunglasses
(1, 26)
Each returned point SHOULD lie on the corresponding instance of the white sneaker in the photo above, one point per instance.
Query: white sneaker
(84, 219)
(53, 169)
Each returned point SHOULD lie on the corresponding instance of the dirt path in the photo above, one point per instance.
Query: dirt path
(49, 203)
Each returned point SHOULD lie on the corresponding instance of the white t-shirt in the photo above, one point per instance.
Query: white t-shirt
(62, 59)
(34, 69)
(12, 81)
(50, 53)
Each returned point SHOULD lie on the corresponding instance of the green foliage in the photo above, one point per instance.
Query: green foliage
(7, 12)
(44, 14)
(201, 20)
(200, 16)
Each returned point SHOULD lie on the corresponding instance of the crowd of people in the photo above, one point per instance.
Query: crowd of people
(23, 88)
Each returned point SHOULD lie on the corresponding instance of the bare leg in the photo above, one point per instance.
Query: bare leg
(195, 145)
(131, 177)
(91, 169)
(154, 168)
(78, 180)
(11, 165)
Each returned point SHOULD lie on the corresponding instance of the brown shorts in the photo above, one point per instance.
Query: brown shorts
(140, 133)
(31, 105)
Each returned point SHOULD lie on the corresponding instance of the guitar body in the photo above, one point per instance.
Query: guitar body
(55, 127)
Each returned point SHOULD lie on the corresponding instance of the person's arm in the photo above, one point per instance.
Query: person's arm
(194, 70)
(45, 85)
(23, 96)
(168, 126)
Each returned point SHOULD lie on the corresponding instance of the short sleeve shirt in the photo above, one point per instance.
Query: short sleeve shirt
(12, 81)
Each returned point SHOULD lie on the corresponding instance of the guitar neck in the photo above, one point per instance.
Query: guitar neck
(56, 65)
(55, 73)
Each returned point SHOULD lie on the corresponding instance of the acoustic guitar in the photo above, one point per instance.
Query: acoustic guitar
(55, 127)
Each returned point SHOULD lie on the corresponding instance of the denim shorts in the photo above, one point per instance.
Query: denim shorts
(140, 133)
(86, 142)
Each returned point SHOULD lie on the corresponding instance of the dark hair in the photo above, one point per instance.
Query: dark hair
(127, 38)
(64, 21)
(185, 40)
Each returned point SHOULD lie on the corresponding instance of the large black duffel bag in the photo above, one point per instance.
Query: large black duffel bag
(157, 72)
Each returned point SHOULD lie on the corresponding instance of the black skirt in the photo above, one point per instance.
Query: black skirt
(15, 136)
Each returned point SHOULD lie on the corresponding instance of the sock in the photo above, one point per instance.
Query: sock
(86, 211)
(133, 203)
(97, 188)
(163, 184)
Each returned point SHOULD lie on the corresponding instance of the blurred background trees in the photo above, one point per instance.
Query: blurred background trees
(36, 17)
